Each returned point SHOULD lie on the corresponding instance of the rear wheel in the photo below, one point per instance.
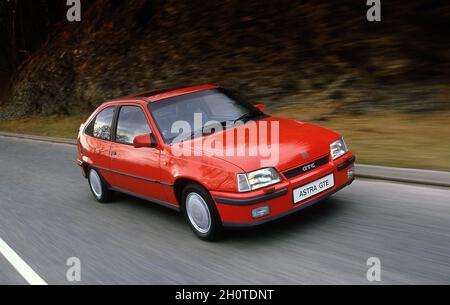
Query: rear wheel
(200, 212)
(98, 186)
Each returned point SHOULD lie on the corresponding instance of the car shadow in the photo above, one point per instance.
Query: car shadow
(314, 216)
(147, 207)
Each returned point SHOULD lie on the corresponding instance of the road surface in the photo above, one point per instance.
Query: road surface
(48, 215)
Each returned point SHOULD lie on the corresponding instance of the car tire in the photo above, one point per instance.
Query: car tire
(201, 213)
(98, 186)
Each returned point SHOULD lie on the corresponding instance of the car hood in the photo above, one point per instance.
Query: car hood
(298, 143)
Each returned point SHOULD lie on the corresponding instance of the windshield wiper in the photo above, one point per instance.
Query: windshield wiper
(192, 135)
(248, 115)
(201, 132)
(196, 133)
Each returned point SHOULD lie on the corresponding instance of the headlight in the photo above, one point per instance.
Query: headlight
(257, 179)
(338, 148)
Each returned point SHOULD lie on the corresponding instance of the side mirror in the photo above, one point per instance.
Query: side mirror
(260, 107)
(145, 140)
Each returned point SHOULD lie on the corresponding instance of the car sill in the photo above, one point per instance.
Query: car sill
(162, 203)
(133, 176)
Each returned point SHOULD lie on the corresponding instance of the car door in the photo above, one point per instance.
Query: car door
(135, 170)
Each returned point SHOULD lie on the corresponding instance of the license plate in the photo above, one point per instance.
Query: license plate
(306, 191)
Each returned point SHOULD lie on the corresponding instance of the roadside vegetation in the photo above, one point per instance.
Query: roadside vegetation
(50, 126)
(391, 138)
(385, 138)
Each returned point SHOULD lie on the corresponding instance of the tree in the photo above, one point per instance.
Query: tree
(24, 26)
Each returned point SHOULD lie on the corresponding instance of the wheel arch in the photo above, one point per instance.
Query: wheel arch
(180, 183)
(85, 167)
(84, 162)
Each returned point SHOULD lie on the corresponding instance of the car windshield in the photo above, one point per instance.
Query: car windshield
(198, 109)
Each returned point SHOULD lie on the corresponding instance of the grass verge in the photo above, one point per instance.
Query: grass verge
(52, 126)
(390, 139)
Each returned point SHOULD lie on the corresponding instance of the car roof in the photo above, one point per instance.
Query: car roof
(160, 94)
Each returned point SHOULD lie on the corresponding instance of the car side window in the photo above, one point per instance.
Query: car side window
(101, 125)
(130, 124)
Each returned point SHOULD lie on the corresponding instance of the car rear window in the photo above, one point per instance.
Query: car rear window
(101, 126)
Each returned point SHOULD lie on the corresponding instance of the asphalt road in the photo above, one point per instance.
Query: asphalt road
(47, 215)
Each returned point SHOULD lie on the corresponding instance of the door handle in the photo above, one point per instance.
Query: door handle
(113, 154)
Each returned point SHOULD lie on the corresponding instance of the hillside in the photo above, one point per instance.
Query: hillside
(282, 53)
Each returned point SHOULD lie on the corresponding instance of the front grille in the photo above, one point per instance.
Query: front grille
(306, 168)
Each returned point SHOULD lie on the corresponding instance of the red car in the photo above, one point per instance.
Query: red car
(222, 174)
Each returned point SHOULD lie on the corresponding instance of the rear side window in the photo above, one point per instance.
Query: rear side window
(130, 124)
(101, 126)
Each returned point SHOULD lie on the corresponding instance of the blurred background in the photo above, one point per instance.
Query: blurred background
(383, 85)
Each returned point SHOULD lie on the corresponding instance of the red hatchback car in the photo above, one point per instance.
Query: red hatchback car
(240, 169)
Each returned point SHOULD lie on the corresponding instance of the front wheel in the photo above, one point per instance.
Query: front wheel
(201, 213)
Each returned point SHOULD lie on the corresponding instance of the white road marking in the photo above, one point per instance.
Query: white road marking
(19, 264)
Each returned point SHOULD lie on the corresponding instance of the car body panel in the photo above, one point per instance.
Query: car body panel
(137, 170)
(212, 173)
(93, 151)
(299, 143)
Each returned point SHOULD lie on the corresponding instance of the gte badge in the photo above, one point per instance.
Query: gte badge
(309, 167)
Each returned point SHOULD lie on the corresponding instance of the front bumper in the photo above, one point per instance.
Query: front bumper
(235, 209)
